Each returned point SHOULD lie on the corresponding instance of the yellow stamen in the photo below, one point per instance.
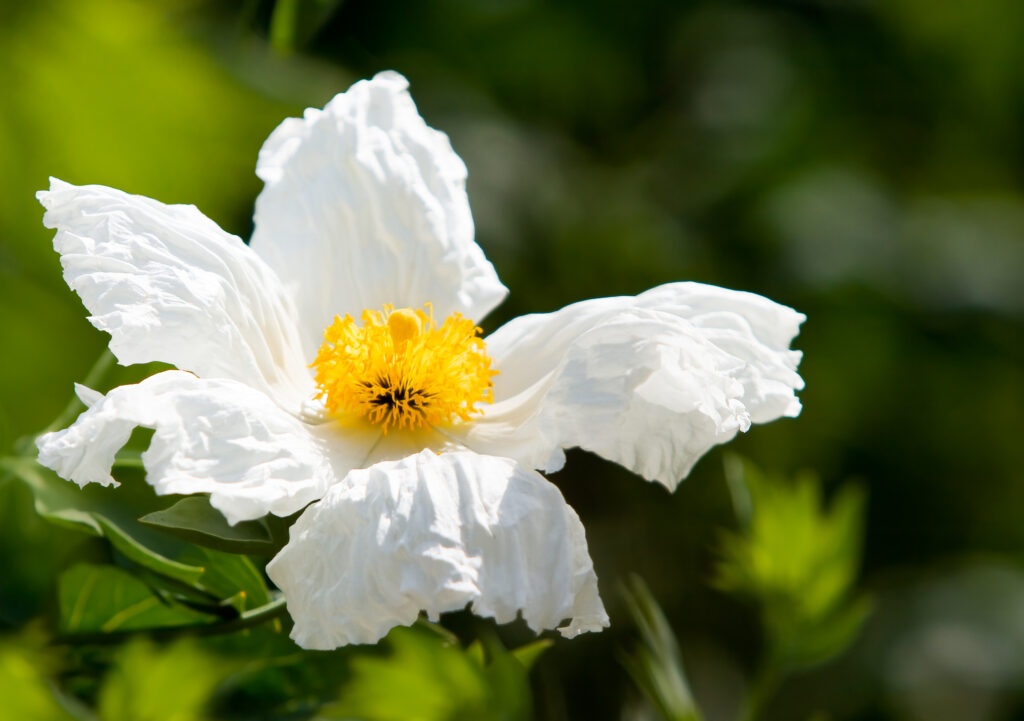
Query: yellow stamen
(401, 369)
(404, 325)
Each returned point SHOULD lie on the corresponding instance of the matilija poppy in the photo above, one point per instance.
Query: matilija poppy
(417, 441)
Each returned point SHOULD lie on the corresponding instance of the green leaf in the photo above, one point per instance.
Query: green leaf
(95, 598)
(25, 686)
(798, 559)
(97, 510)
(529, 654)
(656, 665)
(135, 551)
(145, 682)
(55, 501)
(476, 652)
(439, 681)
(194, 519)
(228, 575)
(827, 639)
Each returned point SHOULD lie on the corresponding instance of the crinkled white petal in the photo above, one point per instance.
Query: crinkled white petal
(168, 285)
(750, 327)
(211, 436)
(364, 204)
(651, 382)
(433, 533)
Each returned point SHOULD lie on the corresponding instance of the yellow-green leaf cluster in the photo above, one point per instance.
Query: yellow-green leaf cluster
(798, 559)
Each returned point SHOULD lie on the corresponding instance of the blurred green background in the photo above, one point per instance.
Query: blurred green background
(860, 161)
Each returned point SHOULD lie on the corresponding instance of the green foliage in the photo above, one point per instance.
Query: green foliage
(145, 682)
(25, 685)
(194, 519)
(427, 676)
(798, 561)
(96, 598)
(859, 161)
(170, 583)
(530, 653)
(165, 582)
(656, 665)
(104, 512)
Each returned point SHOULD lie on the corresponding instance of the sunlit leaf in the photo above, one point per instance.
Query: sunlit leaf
(146, 682)
(529, 654)
(25, 686)
(95, 598)
(438, 681)
(798, 560)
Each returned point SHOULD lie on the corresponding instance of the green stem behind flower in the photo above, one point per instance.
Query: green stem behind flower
(99, 369)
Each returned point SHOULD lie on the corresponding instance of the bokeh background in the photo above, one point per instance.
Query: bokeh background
(860, 161)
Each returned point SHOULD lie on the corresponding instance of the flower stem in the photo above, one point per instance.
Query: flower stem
(762, 687)
(129, 460)
(99, 369)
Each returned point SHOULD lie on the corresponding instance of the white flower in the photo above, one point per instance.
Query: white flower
(424, 462)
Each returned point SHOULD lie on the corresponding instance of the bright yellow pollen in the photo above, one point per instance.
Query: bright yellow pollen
(401, 369)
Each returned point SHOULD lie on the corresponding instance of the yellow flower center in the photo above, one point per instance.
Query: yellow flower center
(401, 369)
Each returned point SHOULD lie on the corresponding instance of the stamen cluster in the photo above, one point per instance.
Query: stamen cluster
(400, 369)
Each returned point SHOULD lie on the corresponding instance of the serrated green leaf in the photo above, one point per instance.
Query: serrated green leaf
(439, 681)
(529, 654)
(96, 598)
(440, 632)
(798, 559)
(26, 688)
(829, 637)
(475, 651)
(145, 682)
(194, 519)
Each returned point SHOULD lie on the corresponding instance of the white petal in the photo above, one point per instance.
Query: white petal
(752, 328)
(364, 204)
(87, 395)
(211, 436)
(171, 286)
(651, 382)
(435, 532)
